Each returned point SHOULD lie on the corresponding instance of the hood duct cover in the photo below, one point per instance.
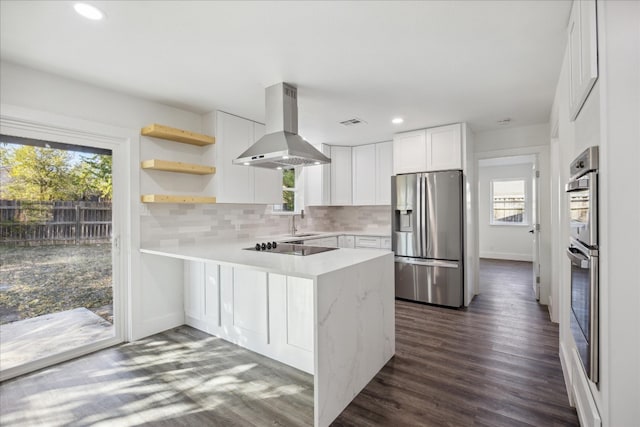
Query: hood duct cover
(281, 147)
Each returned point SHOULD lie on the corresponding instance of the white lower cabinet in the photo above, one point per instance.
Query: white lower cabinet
(330, 242)
(346, 241)
(270, 314)
(194, 294)
(367, 242)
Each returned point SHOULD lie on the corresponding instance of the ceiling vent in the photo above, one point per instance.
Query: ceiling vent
(353, 122)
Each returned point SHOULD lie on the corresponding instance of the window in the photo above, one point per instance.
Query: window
(289, 192)
(508, 202)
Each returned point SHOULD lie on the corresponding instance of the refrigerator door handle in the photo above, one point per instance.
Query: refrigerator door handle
(427, 262)
(423, 214)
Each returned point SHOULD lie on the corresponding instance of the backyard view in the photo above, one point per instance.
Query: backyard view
(55, 247)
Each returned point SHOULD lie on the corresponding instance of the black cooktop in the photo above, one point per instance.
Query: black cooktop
(289, 248)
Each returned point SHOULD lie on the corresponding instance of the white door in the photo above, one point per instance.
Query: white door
(535, 228)
(73, 321)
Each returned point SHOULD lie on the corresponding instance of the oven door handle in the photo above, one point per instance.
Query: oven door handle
(577, 185)
(576, 258)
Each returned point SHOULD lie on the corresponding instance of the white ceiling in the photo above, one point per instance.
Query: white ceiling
(430, 62)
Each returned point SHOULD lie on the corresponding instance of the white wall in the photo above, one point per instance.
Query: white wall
(511, 242)
(155, 303)
(610, 120)
(510, 138)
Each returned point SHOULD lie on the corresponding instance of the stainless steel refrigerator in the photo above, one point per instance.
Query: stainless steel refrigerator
(427, 235)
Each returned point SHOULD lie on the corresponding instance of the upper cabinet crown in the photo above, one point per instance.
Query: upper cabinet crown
(583, 53)
(425, 150)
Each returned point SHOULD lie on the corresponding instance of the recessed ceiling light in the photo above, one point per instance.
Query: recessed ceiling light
(285, 157)
(88, 11)
(397, 120)
(246, 163)
(279, 168)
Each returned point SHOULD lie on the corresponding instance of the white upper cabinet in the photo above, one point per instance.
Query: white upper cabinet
(426, 150)
(317, 186)
(267, 182)
(237, 183)
(234, 182)
(356, 176)
(384, 171)
(410, 152)
(444, 148)
(364, 174)
(341, 176)
(583, 53)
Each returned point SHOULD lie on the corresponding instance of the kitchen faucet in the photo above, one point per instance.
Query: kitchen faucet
(293, 222)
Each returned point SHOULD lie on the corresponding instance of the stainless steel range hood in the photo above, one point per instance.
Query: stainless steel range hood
(281, 147)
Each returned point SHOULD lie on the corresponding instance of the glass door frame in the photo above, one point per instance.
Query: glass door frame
(26, 123)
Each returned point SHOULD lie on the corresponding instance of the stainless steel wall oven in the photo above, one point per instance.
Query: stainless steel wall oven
(582, 251)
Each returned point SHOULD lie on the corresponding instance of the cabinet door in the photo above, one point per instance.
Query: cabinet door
(248, 320)
(346, 242)
(291, 321)
(444, 148)
(367, 242)
(327, 242)
(384, 171)
(364, 174)
(341, 176)
(583, 53)
(233, 136)
(211, 297)
(194, 290)
(317, 181)
(409, 152)
(267, 183)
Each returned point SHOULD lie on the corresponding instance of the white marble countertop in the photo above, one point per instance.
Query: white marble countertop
(232, 253)
(320, 234)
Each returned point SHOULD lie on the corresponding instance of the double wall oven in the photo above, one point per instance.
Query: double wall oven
(582, 190)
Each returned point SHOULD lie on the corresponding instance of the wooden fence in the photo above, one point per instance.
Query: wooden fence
(40, 223)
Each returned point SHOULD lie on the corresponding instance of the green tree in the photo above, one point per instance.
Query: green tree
(35, 173)
(288, 181)
(92, 177)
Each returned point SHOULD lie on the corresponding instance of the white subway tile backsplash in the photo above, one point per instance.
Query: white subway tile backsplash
(183, 224)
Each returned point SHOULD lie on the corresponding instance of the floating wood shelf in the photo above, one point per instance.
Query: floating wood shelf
(162, 198)
(165, 165)
(172, 134)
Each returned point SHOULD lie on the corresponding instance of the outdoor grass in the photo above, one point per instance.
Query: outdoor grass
(41, 280)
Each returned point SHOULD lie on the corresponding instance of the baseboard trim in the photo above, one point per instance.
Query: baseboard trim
(160, 324)
(584, 402)
(567, 372)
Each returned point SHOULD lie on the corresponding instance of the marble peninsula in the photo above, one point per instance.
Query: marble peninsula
(329, 314)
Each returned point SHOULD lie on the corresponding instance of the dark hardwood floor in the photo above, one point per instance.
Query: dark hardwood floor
(181, 377)
(493, 364)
